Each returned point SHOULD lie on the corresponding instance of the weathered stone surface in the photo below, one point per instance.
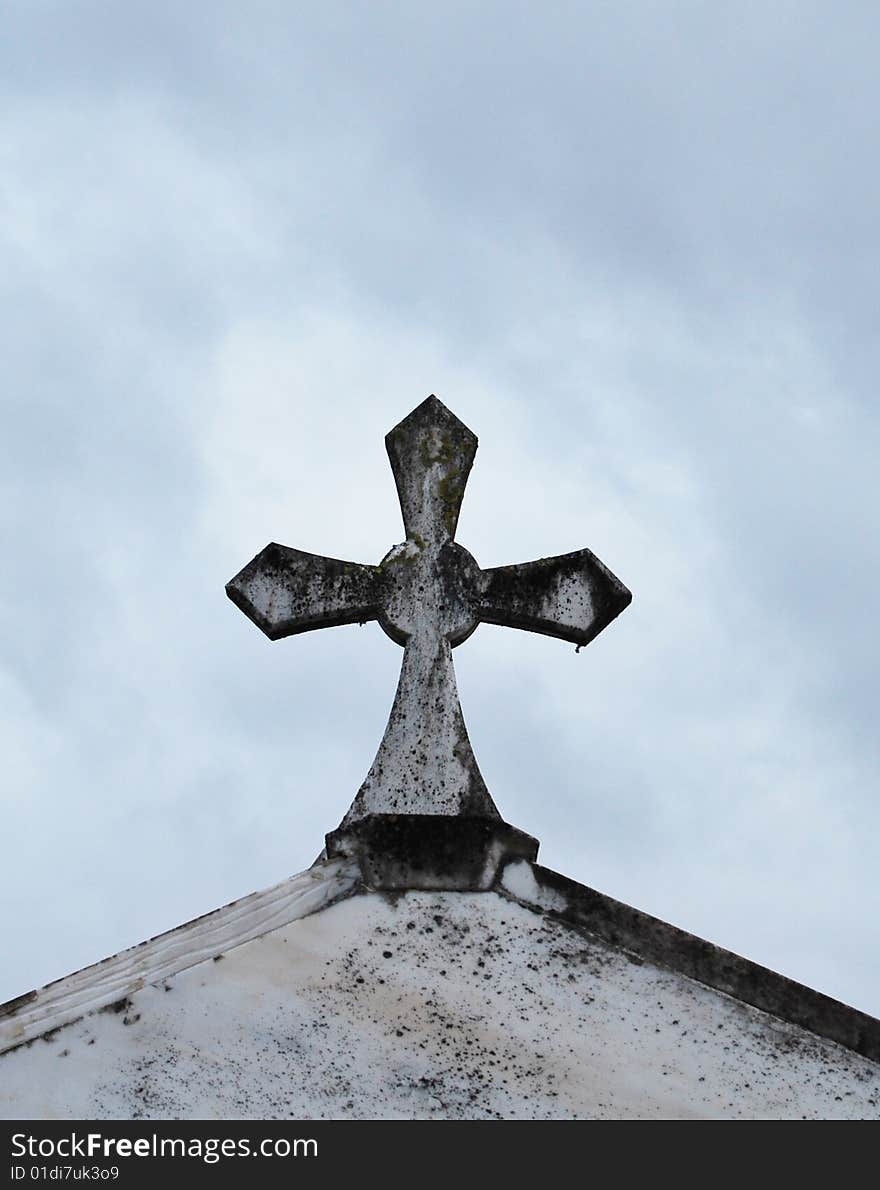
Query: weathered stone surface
(428, 594)
(573, 596)
(286, 591)
(431, 454)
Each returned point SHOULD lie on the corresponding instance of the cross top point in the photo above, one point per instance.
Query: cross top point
(423, 816)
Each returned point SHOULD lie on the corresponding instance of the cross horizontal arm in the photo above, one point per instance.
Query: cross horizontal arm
(286, 591)
(572, 596)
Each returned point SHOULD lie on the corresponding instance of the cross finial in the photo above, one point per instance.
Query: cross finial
(424, 792)
(431, 455)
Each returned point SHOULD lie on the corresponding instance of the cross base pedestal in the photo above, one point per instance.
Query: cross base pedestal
(430, 851)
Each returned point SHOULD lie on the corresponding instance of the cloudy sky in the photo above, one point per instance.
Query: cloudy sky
(634, 247)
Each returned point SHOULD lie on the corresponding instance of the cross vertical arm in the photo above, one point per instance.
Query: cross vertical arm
(425, 763)
(431, 454)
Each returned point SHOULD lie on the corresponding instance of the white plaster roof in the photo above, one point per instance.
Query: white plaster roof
(410, 1005)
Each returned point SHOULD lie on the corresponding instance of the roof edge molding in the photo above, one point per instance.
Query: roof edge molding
(648, 939)
(66, 1000)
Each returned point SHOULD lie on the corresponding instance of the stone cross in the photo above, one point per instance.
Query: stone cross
(429, 595)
